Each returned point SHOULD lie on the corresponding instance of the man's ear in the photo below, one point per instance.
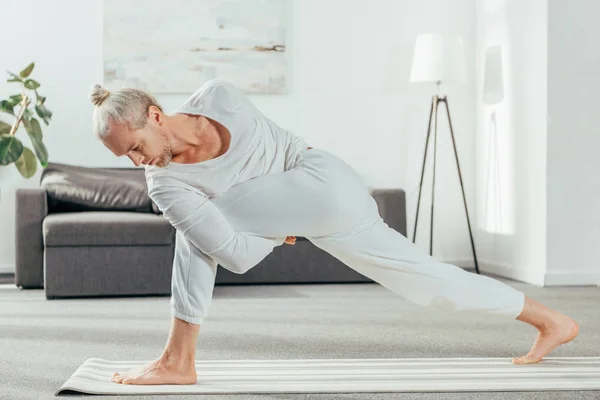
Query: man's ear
(155, 115)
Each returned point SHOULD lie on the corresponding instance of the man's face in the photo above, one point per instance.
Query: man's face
(146, 146)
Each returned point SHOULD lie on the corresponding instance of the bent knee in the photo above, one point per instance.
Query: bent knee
(238, 268)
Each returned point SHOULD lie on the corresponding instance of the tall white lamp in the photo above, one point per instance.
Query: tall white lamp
(439, 59)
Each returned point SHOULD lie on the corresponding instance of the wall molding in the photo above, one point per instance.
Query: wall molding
(572, 278)
(558, 278)
(554, 278)
(497, 270)
(7, 268)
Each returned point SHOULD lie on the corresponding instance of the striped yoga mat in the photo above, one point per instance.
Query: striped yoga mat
(352, 376)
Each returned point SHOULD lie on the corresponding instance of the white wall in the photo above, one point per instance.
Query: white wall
(548, 141)
(573, 142)
(349, 93)
(512, 219)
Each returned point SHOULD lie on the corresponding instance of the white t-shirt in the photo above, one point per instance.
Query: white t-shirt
(258, 146)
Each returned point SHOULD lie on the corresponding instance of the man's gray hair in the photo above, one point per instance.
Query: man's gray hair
(125, 106)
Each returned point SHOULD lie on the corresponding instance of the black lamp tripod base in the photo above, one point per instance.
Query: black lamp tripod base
(433, 115)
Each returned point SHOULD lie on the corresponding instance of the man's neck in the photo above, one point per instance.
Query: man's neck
(197, 139)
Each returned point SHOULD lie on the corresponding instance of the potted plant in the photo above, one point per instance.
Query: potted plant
(23, 108)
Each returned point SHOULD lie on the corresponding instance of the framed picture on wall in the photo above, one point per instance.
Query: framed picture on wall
(174, 46)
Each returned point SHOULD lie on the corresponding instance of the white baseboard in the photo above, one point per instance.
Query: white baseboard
(7, 268)
(499, 270)
(558, 278)
(572, 278)
(509, 272)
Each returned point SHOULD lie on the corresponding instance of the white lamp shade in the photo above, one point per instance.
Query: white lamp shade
(438, 58)
(493, 81)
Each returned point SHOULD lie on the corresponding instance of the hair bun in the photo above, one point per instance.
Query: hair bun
(98, 94)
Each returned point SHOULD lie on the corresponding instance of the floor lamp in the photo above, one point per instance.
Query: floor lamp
(439, 59)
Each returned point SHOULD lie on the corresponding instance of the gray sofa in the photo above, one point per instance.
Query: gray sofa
(80, 234)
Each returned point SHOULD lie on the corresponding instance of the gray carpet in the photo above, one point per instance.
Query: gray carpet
(42, 342)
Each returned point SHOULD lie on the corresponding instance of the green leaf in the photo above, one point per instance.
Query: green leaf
(35, 134)
(27, 163)
(7, 107)
(40, 151)
(15, 99)
(26, 124)
(27, 71)
(4, 128)
(40, 99)
(11, 149)
(27, 114)
(32, 84)
(43, 112)
(15, 78)
(34, 129)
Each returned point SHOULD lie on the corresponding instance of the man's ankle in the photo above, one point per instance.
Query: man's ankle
(178, 359)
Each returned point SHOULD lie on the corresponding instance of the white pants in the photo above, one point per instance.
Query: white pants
(324, 200)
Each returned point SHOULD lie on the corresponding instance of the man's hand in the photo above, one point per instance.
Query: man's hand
(290, 240)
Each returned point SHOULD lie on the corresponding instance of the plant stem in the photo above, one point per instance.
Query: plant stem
(24, 104)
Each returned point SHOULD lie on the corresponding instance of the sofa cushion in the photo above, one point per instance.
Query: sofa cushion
(99, 228)
(74, 188)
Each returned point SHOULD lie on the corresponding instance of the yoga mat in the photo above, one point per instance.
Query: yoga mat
(351, 376)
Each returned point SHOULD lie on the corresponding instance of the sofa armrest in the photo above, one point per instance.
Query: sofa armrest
(392, 207)
(31, 208)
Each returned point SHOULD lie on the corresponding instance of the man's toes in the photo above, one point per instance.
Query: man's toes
(128, 381)
(524, 360)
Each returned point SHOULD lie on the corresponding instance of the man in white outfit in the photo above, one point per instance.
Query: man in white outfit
(235, 185)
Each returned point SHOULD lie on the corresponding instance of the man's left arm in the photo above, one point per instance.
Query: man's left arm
(204, 225)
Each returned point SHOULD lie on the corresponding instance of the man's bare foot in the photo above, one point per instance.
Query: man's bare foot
(158, 372)
(175, 366)
(554, 329)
